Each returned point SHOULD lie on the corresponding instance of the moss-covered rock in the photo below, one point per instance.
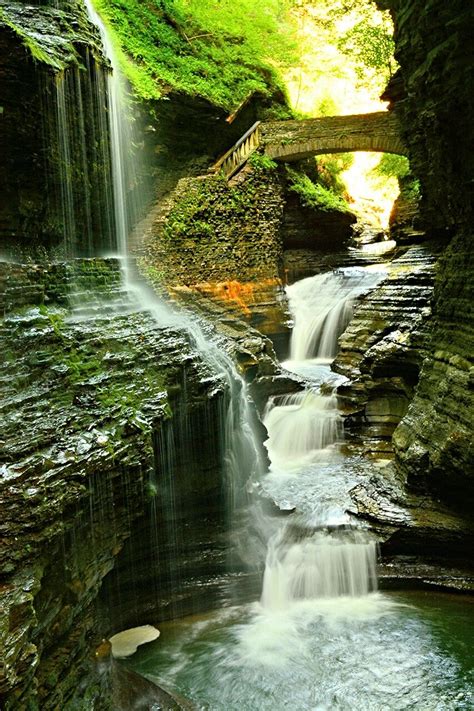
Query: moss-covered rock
(89, 382)
(210, 230)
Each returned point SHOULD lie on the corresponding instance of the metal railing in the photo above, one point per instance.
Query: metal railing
(239, 154)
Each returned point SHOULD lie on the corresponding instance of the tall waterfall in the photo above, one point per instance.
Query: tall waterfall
(121, 135)
(243, 460)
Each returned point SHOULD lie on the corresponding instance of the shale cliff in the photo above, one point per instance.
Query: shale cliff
(434, 49)
(94, 395)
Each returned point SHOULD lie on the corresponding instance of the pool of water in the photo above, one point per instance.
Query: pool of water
(371, 653)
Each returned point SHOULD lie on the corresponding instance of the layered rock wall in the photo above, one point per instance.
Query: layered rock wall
(92, 391)
(434, 49)
(384, 346)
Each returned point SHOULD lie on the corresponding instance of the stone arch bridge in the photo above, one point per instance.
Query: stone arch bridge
(298, 139)
(294, 140)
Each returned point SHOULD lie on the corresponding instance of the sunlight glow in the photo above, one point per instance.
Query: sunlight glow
(326, 83)
(370, 196)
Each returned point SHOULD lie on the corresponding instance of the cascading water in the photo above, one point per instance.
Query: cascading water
(300, 426)
(323, 561)
(321, 638)
(242, 454)
(319, 565)
(318, 590)
(321, 307)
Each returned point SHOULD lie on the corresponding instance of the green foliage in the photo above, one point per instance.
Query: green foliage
(315, 195)
(411, 188)
(55, 318)
(205, 206)
(330, 168)
(221, 51)
(259, 161)
(370, 40)
(393, 166)
(326, 107)
(371, 45)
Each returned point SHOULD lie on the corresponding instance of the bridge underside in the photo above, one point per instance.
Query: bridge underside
(295, 140)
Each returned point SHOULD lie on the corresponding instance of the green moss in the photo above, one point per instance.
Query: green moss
(259, 161)
(221, 52)
(49, 35)
(55, 318)
(315, 195)
(199, 213)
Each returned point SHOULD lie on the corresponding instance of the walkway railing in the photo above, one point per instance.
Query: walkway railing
(239, 154)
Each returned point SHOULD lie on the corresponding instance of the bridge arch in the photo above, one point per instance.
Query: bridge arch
(295, 140)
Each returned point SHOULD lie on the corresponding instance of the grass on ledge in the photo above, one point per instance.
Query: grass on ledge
(222, 52)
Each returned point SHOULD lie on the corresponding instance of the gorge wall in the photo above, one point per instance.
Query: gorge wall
(433, 47)
(92, 391)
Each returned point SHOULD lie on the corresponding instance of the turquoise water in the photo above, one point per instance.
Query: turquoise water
(376, 652)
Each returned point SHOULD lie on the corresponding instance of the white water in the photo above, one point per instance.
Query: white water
(322, 306)
(243, 457)
(321, 565)
(300, 426)
(121, 139)
(311, 556)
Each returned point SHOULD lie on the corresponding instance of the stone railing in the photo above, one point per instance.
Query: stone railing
(237, 156)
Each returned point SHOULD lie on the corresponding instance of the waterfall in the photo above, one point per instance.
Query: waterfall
(243, 460)
(321, 307)
(300, 426)
(321, 565)
(124, 168)
(313, 558)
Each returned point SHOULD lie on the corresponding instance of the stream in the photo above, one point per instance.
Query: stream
(321, 636)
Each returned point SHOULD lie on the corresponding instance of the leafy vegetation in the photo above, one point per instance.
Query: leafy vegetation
(369, 41)
(329, 170)
(346, 51)
(314, 194)
(259, 161)
(222, 52)
(393, 166)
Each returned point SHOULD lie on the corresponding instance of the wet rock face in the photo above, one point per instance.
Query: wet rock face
(89, 387)
(383, 348)
(55, 178)
(433, 443)
(423, 542)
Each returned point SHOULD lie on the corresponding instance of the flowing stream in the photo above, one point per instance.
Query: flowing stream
(321, 636)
